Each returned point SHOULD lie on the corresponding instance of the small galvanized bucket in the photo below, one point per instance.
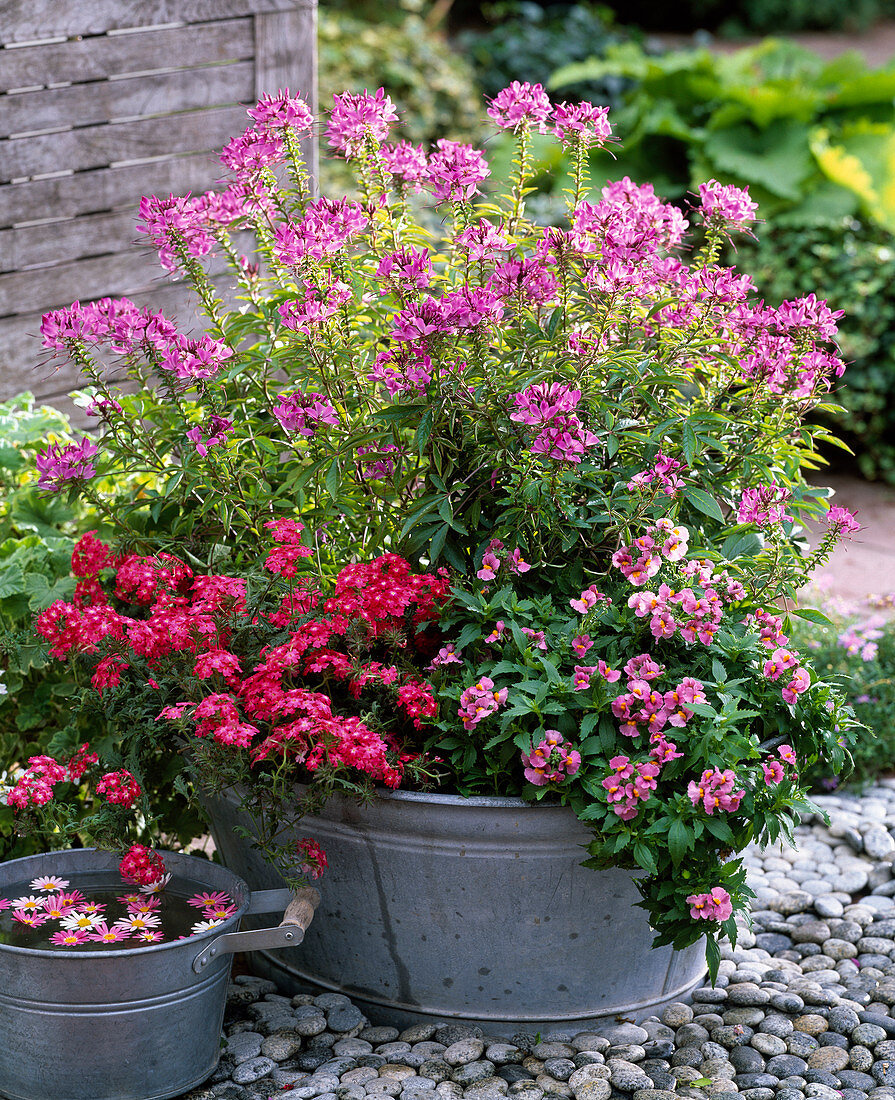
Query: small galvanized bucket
(140, 1023)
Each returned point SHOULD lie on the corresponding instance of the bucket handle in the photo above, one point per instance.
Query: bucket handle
(288, 933)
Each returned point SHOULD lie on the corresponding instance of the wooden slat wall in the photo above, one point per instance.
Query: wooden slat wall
(105, 101)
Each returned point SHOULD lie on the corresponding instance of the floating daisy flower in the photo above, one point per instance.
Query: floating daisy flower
(130, 899)
(4, 904)
(49, 883)
(28, 904)
(157, 886)
(54, 907)
(143, 905)
(81, 920)
(137, 922)
(206, 900)
(204, 926)
(70, 938)
(219, 912)
(93, 907)
(149, 936)
(71, 897)
(29, 918)
(103, 934)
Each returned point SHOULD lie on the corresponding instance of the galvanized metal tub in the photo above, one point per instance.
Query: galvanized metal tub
(137, 1023)
(469, 909)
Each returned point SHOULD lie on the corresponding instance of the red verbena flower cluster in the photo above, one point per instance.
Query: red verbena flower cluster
(284, 702)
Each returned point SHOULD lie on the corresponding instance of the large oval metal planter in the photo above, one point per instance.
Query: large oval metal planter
(469, 909)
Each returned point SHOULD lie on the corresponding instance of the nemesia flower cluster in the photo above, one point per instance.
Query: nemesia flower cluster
(533, 494)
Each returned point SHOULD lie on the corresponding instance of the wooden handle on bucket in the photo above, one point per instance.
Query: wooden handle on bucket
(300, 910)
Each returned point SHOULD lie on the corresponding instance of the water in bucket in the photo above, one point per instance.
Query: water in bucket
(97, 910)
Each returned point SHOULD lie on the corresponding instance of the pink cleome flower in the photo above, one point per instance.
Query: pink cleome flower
(521, 106)
(357, 119)
(62, 463)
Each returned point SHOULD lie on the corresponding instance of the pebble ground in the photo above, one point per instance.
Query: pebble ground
(804, 1007)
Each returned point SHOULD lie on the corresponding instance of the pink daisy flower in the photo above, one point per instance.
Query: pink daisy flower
(207, 900)
(103, 934)
(28, 904)
(55, 908)
(68, 938)
(219, 912)
(148, 935)
(31, 919)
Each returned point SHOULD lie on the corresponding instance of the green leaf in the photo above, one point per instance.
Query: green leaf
(12, 580)
(680, 839)
(739, 543)
(424, 430)
(333, 478)
(689, 442)
(437, 544)
(811, 615)
(704, 503)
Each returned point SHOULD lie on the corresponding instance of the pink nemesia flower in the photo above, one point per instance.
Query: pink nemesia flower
(552, 761)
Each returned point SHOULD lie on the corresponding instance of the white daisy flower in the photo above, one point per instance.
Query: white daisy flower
(204, 926)
(156, 887)
(80, 920)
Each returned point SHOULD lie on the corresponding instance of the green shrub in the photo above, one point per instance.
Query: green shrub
(530, 42)
(853, 266)
(859, 654)
(754, 16)
(813, 140)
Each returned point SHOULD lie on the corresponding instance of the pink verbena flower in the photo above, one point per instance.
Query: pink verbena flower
(141, 865)
(521, 106)
(62, 463)
(119, 788)
(356, 120)
(312, 858)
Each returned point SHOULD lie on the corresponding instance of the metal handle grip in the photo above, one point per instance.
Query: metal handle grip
(288, 933)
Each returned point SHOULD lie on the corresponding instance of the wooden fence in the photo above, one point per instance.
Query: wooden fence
(102, 101)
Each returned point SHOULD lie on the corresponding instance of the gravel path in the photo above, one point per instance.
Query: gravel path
(804, 1007)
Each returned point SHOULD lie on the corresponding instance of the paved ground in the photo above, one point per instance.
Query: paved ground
(865, 564)
(877, 44)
